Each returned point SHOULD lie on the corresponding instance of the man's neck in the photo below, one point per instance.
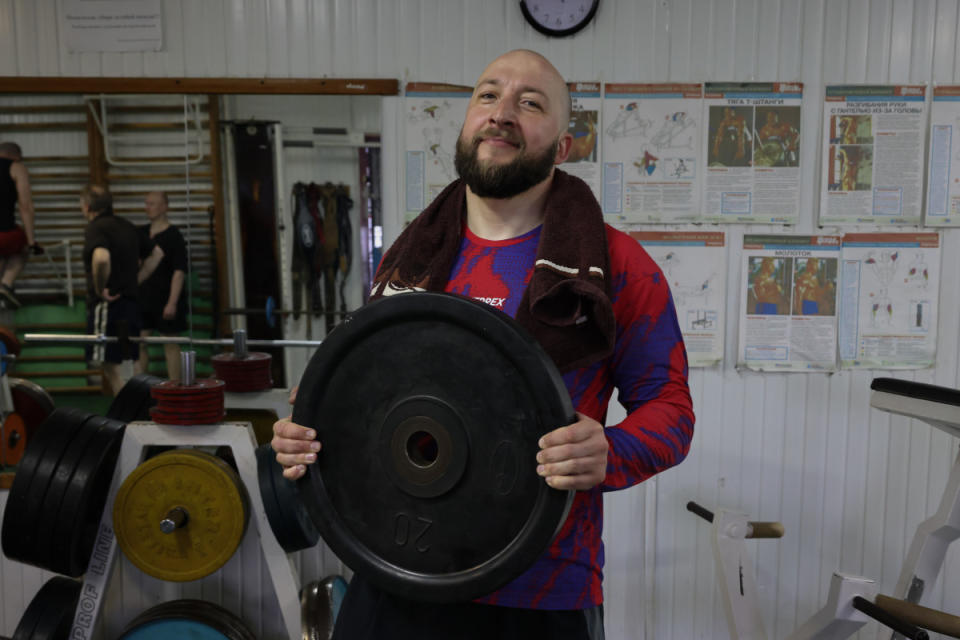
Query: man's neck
(158, 225)
(505, 218)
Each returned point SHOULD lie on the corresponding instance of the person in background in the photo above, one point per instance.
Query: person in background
(529, 239)
(161, 296)
(16, 242)
(115, 259)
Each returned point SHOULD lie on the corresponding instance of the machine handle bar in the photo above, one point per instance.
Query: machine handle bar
(888, 619)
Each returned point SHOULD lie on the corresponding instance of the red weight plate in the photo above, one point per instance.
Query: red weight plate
(13, 439)
(164, 418)
(172, 388)
(251, 357)
(31, 401)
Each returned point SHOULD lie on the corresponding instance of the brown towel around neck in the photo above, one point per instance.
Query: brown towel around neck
(566, 305)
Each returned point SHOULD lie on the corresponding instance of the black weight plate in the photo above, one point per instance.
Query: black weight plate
(40, 459)
(49, 615)
(150, 623)
(320, 604)
(79, 519)
(462, 520)
(288, 518)
(45, 545)
(134, 399)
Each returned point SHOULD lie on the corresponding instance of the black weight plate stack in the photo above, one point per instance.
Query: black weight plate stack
(134, 400)
(167, 620)
(320, 604)
(21, 518)
(57, 497)
(78, 520)
(289, 520)
(49, 615)
(429, 408)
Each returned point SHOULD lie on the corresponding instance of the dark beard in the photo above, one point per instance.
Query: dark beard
(502, 180)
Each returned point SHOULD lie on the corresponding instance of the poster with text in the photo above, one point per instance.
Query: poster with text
(943, 179)
(652, 165)
(695, 265)
(434, 116)
(888, 300)
(752, 141)
(872, 169)
(584, 126)
(788, 303)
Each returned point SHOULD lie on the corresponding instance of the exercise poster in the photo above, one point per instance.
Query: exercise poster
(695, 265)
(584, 126)
(434, 115)
(888, 300)
(872, 169)
(788, 303)
(943, 181)
(752, 141)
(652, 165)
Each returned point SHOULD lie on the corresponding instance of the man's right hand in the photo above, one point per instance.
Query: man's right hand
(295, 446)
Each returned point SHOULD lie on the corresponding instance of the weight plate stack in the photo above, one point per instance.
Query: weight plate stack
(320, 603)
(55, 504)
(134, 400)
(181, 515)
(429, 408)
(194, 619)
(288, 518)
(49, 615)
(188, 404)
(249, 373)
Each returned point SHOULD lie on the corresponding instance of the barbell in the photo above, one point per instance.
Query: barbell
(79, 338)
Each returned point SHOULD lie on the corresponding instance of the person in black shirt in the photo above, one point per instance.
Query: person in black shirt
(15, 241)
(162, 299)
(115, 260)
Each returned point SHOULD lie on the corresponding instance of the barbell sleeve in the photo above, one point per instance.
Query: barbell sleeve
(932, 619)
(888, 619)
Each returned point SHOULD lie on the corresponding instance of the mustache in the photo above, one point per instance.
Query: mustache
(503, 134)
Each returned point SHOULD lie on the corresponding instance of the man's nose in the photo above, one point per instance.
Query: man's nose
(503, 113)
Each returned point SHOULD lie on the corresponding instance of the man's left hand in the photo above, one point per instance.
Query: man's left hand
(575, 456)
(170, 312)
(107, 296)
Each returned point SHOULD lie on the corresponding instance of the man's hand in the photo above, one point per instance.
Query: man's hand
(575, 456)
(105, 294)
(36, 249)
(295, 447)
(170, 311)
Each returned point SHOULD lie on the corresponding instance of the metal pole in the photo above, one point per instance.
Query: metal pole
(78, 338)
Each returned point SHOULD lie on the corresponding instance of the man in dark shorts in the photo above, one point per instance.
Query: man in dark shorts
(115, 259)
(15, 241)
(163, 303)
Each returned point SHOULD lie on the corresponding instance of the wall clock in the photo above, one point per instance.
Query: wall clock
(559, 17)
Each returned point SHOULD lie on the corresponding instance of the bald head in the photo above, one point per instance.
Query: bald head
(551, 83)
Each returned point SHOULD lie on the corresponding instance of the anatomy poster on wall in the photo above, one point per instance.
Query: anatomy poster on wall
(584, 126)
(434, 115)
(788, 303)
(752, 141)
(652, 165)
(943, 179)
(872, 169)
(888, 300)
(695, 265)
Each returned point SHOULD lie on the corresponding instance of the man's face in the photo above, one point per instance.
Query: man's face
(515, 128)
(155, 206)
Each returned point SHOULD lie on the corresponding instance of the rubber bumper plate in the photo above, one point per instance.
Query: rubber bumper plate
(429, 407)
(193, 619)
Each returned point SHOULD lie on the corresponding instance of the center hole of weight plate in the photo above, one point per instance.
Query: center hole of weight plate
(422, 449)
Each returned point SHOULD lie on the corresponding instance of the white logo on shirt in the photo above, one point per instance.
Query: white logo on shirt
(496, 303)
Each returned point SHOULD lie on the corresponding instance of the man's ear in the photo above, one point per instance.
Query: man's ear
(564, 144)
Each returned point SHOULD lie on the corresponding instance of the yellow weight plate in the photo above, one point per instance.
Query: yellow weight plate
(180, 515)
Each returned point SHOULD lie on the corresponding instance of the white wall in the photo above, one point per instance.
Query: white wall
(849, 483)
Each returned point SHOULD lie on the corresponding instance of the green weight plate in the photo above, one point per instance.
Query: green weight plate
(429, 407)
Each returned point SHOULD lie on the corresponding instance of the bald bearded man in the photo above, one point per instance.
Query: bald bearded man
(511, 226)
